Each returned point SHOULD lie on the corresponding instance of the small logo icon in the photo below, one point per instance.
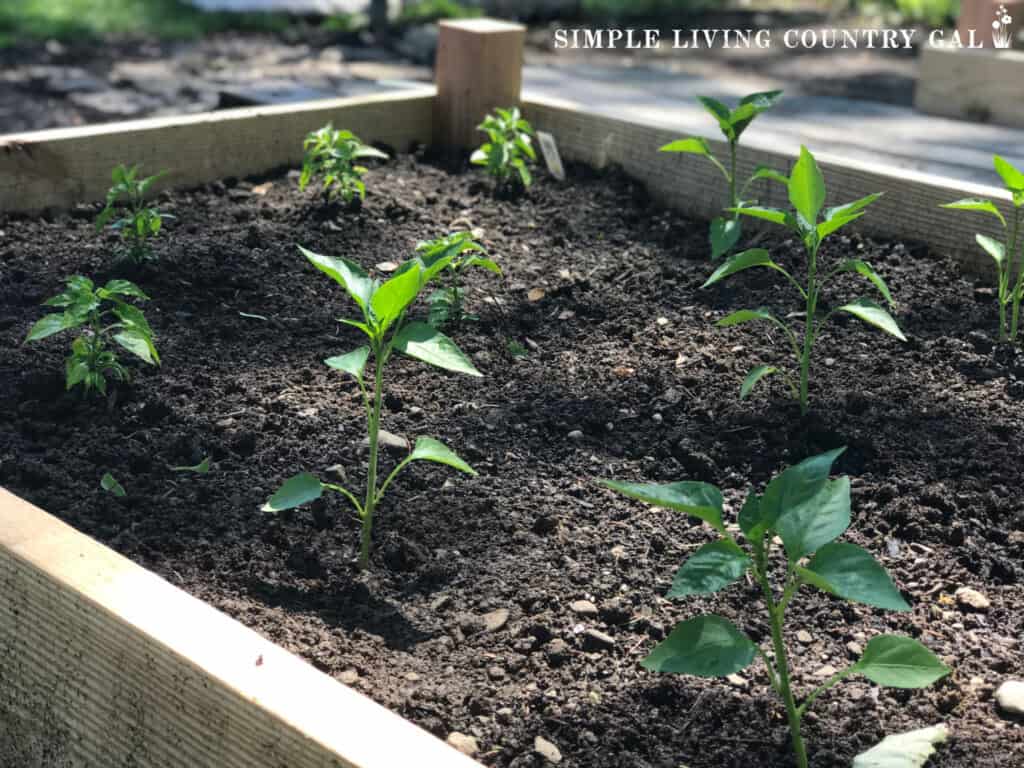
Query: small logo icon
(1002, 33)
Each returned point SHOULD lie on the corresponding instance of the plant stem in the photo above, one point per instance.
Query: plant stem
(373, 423)
(812, 305)
(733, 202)
(782, 669)
(1011, 261)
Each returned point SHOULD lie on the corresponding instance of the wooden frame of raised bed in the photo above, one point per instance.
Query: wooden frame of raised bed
(136, 671)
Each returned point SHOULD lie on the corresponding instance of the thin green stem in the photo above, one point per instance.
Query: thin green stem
(830, 683)
(812, 304)
(733, 200)
(371, 475)
(1011, 261)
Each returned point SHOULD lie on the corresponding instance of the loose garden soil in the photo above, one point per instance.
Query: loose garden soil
(469, 620)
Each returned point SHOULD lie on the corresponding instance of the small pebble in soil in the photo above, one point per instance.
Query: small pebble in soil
(467, 745)
(547, 750)
(972, 599)
(1010, 697)
(576, 435)
(804, 637)
(583, 608)
(596, 640)
(495, 620)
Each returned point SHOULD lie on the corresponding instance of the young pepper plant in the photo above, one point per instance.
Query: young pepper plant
(462, 252)
(1005, 254)
(84, 306)
(725, 233)
(140, 221)
(383, 307)
(508, 149)
(808, 512)
(331, 155)
(807, 195)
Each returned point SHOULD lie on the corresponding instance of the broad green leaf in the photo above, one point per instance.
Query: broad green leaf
(721, 113)
(47, 326)
(899, 662)
(110, 484)
(693, 146)
(390, 300)
(429, 449)
(796, 487)
(774, 215)
(202, 468)
(826, 228)
(750, 518)
(741, 316)
(706, 646)
(488, 264)
(864, 269)
(750, 107)
(903, 750)
(125, 288)
(712, 567)
(296, 491)
(755, 257)
(853, 574)
(765, 172)
(993, 248)
(725, 233)
(754, 377)
(353, 363)
(347, 274)
(849, 209)
(807, 187)
(701, 500)
(428, 344)
(810, 525)
(75, 372)
(1012, 177)
(975, 204)
(139, 344)
(872, 314)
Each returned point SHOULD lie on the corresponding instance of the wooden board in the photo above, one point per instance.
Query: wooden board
(62, 167)
(979, 85)
(909, 210)
(139, 673)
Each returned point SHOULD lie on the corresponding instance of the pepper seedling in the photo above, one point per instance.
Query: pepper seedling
(808, 512)
(383, 307)
(331, 155)
(140, 221)
(508, 150)
(91, 360)
(1004, 254)
(807, 195)
(726, 232)
(462, 252)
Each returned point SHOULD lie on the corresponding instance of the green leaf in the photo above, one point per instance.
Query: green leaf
(975, 204)
(706, 646)
(693, 146)
(755, 257)
(807, 187)
(741, 316)
(139, 344)
(899, 662)
(390, 300)
(864, 269)
(903, 750)
(796, 487)
(353, 363)
(48, 325)
(700, 500)
(1012, 177)
(826, 228)
(766, 172)
(810, 525)
(750, 518)
(110, 484)
(853, 574)
(872, 314)
(754, 377)
(712, 567)
(722, 115)
(201, 468)
(480, 261)
(347, 274)
(124, 288)
(428, 344)
(296, 491)
(725, 233)
(993, 248)
(774, 215)
(429, 449)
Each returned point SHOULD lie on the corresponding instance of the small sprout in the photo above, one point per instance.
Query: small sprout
(1008, 254)
(200, 469)
(516, 349)
(807, 195)
(508, 150)
(383, 308)
(462, 252)
(725, 233)
(331, 156)
(808, 512)
(140, 222)
(105, 316)
(109, 483)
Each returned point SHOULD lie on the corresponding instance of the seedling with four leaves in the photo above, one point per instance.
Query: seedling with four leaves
(140, 221)
(808, 512)
(462, 252)
(105, 315)
(331, 156)
(508, 150)
(725, 233)
(812, 225)
(1009, 254)
(383, 307)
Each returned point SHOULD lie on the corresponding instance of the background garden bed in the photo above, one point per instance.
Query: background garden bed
(625, 377)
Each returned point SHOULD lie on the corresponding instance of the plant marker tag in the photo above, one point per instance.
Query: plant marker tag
(549, 149)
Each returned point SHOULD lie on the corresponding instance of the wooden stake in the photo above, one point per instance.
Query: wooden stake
(479, 68)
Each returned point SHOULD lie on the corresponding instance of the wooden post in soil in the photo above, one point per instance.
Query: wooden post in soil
(479, 67)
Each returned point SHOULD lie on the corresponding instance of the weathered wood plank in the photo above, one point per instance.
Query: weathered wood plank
(140, 673)
(689, 183)
(982, 85)
(58, 168)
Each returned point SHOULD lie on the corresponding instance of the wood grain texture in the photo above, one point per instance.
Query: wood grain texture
(982, 85)
(59, 168)
(141, 674)
(908, 211)
(479, 67)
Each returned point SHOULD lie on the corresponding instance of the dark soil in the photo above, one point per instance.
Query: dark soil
(626, 377)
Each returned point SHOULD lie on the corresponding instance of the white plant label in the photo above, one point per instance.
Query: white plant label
(549, 149)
